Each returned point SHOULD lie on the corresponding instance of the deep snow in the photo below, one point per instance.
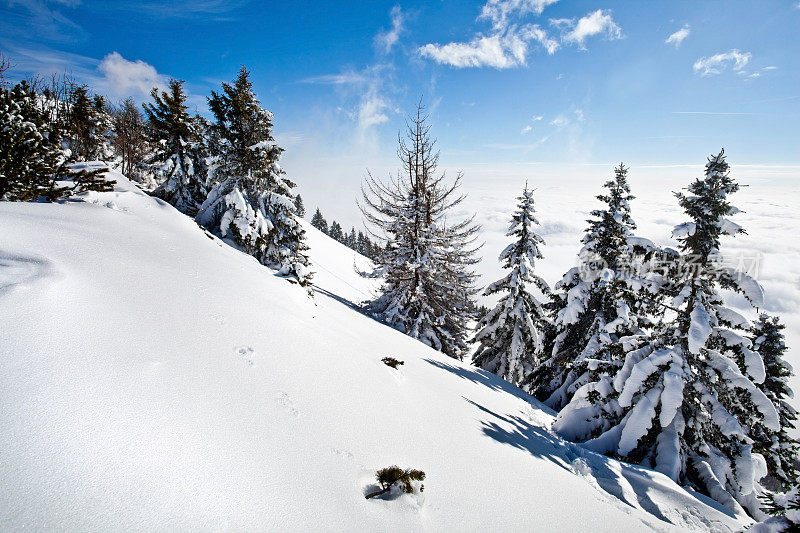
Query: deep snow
(155, 378)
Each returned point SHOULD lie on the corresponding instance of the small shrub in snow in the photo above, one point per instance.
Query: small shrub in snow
(392, 362)
(394, 475)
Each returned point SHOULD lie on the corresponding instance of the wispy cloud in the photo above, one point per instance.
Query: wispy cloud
(500, 11)
(526, 129)
(385, 40)
(718, 63)
(678, 37)
(38, 20)
(599, 22)
(498, 51)
(343, 78)
(509, 42)
(214, 9)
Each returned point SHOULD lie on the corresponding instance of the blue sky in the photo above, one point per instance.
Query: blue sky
(514, 87)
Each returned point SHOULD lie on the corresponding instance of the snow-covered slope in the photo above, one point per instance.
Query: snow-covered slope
(154, 378)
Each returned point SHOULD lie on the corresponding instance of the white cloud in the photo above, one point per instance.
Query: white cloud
(537, 34)
(526, 129)
(122, 77)
(499, 50)
(560, 121)
(343, 78)
(482, 51)
(770, 67)
(499, 11)
(508, 43)
(718, 63)
(677, 38)
(595, 23)
(372, 110)
(537, 118)
(386, 40)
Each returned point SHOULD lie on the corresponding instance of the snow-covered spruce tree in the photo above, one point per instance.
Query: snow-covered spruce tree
(597, 304)
(777, 447)
(319, 222)
(252, 202)
(429, 289)
(32, 160)
(299, 208)
(510, 335)
(681, 404)
(784, 511)
(178, 156)
(88, 126)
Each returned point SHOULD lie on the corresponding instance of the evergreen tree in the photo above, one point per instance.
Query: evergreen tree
(88, 127)
(510, 335)
(299, 208)
(252, 202)
(336, 232)
(680, 403)
(351, 239)
(179, 156)
(777, 447)
(32, 160)
(429, 284)
(319, 222)
(597, 304)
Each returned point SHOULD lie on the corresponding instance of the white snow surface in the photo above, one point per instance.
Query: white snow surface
(154, 378)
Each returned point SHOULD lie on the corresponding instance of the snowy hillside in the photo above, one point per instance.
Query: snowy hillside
(155, 378)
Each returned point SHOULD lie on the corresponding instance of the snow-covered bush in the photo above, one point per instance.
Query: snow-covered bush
(401, 477)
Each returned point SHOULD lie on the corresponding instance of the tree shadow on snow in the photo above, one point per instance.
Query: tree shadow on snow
(344, 301)
(627, 483)
(487, 379)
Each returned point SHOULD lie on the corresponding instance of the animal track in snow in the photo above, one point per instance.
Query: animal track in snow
(285, 401)
(247, 354)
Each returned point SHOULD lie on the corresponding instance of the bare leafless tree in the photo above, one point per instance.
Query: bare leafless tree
(129, 141)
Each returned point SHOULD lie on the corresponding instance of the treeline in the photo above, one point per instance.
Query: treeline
(360, 242)
(224, 172)
(638, 353)
(634, 348)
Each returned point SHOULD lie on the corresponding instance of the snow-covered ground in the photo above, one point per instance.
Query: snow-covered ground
(156, 379)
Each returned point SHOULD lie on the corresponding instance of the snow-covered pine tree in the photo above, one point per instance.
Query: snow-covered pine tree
(88, 130)
(784, 511)
(428, 287)
(252, 202)
(510, 335)
(299, 208)
(681, 404)
(319, 222)
(777, 447)
(178, 157)
(596, 304)
(32, 159)
(336, 232)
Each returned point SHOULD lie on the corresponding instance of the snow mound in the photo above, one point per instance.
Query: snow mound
(155, 378)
